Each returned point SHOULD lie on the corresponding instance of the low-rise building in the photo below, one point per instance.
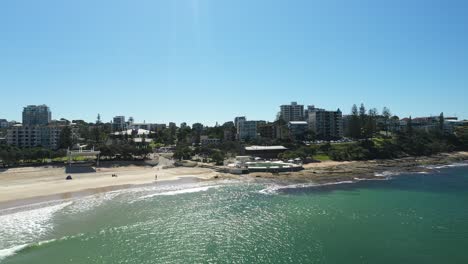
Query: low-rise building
(205, 140)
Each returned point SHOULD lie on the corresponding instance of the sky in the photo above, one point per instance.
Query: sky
(211, 60)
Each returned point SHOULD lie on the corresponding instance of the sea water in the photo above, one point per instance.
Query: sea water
(414, 218)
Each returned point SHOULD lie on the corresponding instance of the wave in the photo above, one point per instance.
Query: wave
(26, 226)
(4, 253)
(179, 191)
(273, 189)
(453, 165)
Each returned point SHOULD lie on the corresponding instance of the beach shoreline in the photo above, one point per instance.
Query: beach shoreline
(28, 185)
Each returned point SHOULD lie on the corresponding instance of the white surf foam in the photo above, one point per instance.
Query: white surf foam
(26, 226)
(386, 174)
(273, 189)
(453, 165)
(180, 191)
(4, 253)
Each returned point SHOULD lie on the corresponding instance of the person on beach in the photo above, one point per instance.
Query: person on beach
(155, 177)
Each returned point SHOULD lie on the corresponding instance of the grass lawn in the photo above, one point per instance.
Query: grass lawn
(321, 157)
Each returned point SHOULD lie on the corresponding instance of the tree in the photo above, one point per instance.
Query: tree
(182, 152)
(65, 140)
(354, 124)
(386, 115)
(371, 122)
(217, 157)
(441, 122)
(409, 126)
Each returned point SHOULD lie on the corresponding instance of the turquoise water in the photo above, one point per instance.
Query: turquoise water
(409, 219)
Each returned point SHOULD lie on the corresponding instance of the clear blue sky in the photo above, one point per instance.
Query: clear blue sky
(211, 60)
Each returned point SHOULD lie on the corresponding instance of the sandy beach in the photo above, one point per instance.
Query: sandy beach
(28, 182)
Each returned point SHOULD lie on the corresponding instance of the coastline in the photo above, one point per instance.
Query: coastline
(19, 185)
(330, 172)
(28, 185)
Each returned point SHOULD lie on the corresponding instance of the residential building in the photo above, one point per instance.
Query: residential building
(35, 115)
(247, 130)
(140, 137)
(147, 126)
(239, 119)
(119, 123)
(292, 112)
(451, 123)
(205, 140)
(325, 124)
(34, 136)
(38, 129)
(298, 129)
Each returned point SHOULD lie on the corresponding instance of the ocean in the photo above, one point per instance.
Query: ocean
(413, 218)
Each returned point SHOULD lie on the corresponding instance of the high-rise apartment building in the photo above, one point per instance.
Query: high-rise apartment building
(325, 124)
(119, 124)
(292, 112)
(36, 115)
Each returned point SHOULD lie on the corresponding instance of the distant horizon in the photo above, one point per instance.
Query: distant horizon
(209, 61)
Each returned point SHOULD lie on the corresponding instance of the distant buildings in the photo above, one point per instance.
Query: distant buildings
(205, 140)
(38, 129)
(118, 123)
(147, 126)
(36, 115)
(34, 136)
(292, 112)
(140, 137)
(325, 124)
(268, 131)
(239, 119)
(247, 130)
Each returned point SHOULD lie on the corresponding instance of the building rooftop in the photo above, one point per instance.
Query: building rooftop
(264, 148)
(298, 122)
(130, 131)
